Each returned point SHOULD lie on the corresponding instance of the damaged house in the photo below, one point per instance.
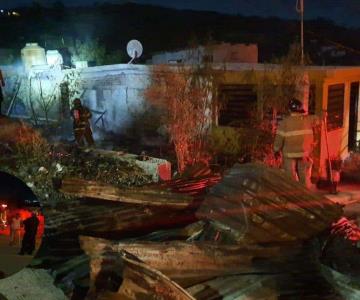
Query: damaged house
(115, 95)
(232, 237)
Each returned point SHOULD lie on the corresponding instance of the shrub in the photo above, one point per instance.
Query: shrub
(25, 142)
(232, 145)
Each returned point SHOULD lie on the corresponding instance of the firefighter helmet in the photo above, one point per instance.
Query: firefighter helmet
(77, 102)
(296, 105)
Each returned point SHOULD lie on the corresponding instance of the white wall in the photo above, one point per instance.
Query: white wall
(118, 90)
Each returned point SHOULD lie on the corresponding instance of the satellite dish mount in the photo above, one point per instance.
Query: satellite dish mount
(134, 50)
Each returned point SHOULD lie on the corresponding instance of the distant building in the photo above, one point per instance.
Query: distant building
(220, 53)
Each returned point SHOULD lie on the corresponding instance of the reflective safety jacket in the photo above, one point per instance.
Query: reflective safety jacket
(295, 135)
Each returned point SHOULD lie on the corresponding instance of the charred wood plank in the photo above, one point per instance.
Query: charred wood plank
(141, 281)
(181, 261)
(140, 196)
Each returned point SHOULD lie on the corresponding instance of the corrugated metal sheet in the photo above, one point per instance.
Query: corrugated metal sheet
(235, 287)
(260, 205)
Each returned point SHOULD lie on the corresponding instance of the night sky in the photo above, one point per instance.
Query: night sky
(14, 191)
(345, 12)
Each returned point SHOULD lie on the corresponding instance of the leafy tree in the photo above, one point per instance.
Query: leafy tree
(275, 86)
(45, 98)
(184, 93)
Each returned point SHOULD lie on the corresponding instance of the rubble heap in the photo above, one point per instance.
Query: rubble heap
(233, 238)
(253, 222)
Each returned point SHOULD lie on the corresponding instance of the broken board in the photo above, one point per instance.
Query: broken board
(186, 263)
(140, 196)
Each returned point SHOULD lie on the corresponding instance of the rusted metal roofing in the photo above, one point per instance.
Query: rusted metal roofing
(261, 205)
(235, 287)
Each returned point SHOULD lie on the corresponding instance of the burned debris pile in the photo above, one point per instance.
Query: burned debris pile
(90, 165)
(112, 233)
(340, 258)
(139, 277)
(44, 172)
(246, 226)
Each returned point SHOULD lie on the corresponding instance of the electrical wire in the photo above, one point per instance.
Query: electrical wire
(337, 44)
(300, 9)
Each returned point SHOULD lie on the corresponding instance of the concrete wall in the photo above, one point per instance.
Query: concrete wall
(237, 53)
(24, 93)
(337, 139)
(321, 77)
(116, 90)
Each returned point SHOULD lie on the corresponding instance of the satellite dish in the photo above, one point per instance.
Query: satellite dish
(134, 49)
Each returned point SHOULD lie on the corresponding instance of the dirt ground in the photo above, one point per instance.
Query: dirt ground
(10, 261)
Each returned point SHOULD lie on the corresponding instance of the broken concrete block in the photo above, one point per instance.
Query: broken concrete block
(31, 284)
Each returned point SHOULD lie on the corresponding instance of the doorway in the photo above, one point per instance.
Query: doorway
(354, 128)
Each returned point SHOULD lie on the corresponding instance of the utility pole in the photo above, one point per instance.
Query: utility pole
(300, 9)
(304, 85)
(302, 31)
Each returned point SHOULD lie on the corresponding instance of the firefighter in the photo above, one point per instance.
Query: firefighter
(81, 116)
(3, 216)
(295, 139)
(2, 85)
